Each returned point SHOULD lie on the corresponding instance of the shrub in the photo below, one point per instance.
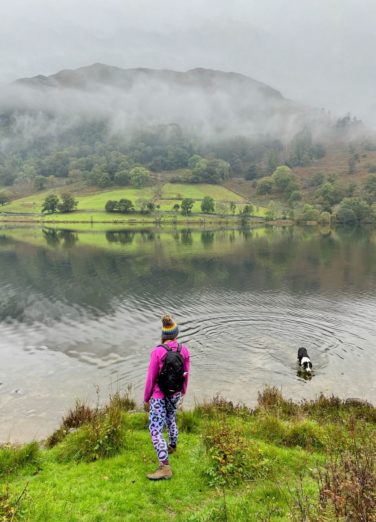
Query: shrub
(306, 434)
(264, 186)
(218, 405)
(123, 400)
(102, 437)
(325, 218)
(332, 409)
(354, 210)
(188, 421)
(4, 198)
(309, 213)
(270, 428)
(271, 400)
(233, 458)
(13, 458)
(82, 414)
(296, 195)
(348, 482)
(76, 417)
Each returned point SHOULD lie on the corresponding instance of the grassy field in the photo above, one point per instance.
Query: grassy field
(91, 205)
(199, 191)
(97, 200)
(232, 464)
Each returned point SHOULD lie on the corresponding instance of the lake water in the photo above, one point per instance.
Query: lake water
(82, 309)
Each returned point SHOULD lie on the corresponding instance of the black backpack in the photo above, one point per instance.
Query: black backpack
(171, 376)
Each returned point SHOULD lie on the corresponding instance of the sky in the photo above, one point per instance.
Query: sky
(318, 52)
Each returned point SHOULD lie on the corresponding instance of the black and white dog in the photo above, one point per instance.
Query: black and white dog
(304, 360)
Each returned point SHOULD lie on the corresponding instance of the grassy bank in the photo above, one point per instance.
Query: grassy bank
(280, 462)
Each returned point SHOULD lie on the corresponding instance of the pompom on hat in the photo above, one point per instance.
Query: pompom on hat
(170, 329)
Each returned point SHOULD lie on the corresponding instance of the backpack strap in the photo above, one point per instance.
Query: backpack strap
(166, 347)
(169, 349)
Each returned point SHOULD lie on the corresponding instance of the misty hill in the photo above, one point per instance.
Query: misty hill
(93, 76)
(204, 102)
(97, 122)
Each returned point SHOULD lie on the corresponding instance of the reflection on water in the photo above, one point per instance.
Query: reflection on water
(82, 308)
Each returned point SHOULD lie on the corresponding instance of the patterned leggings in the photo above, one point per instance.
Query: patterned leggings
(163, 412)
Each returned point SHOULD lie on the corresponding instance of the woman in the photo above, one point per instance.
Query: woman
(162, 404)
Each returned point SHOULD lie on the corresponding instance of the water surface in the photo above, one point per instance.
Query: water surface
(82, 309)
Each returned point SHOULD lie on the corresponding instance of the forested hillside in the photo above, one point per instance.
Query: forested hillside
(103, 126)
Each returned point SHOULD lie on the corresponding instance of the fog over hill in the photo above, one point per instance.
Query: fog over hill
(207, 103)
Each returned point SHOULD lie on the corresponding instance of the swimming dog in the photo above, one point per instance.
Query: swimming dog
(304, 360)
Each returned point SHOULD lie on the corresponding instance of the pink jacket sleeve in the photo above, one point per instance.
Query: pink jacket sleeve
(186, 372)
(152, 375)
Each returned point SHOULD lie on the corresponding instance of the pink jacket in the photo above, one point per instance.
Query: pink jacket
(152, 389)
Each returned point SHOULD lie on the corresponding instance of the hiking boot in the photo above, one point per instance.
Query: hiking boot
(163, 472)
(171, 449)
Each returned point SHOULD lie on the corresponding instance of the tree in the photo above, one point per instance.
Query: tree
(232, 207)
(296, 195)
(104, 180)
(122, 178)
(252, 172)
(4, 198)
(210, 171)
(193, 160)
(139, 176)
(310, 213)
(111, 206)
(40, 182)
(50, 203)
(317, 179)
(221, 208)
(264, 186)
(362, 211)
(176, 207)
(284, 180)
(247, 210)
(146, 206)
(125, 206)
(346, 215)
(328, 195)
(186, 206)
(352, 165)
(207, 205)
(369, 187)
(325, 218)
(68, 203)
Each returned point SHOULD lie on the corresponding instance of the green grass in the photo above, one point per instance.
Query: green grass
(199, 191)
(166, 205)
(90, 208)
(116, 489)
(97, 201)
(94, 201)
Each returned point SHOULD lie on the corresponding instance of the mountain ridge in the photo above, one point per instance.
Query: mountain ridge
(102, 74)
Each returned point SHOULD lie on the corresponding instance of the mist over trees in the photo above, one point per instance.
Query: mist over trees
(99, 123)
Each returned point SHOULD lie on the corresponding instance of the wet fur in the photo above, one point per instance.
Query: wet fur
(305, 363)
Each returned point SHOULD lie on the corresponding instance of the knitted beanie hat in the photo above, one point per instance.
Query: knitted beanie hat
(170, 329)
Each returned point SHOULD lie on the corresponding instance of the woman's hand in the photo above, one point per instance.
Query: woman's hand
(146, 406)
